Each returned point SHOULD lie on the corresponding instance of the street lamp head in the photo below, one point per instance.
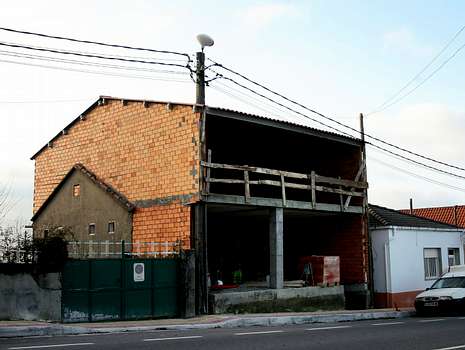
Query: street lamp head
(204, 40)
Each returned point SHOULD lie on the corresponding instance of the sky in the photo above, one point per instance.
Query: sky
(341, 58)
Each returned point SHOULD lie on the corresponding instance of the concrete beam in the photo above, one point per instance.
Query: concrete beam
(276, 248)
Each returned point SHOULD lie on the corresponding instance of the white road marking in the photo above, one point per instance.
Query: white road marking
(174, 338)
(386, 323)
(324, 328)
(461, 318)
(433, 320)
(453, 347)
(49, 346)
(264, 332)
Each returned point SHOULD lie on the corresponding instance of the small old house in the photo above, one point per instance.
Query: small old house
(242, 191)
(409, 254)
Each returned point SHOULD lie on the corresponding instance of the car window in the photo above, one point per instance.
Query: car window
(449, 282)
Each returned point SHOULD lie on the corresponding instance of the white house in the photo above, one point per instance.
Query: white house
(409, 254)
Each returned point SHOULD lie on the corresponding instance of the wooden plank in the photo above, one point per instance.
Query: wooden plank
(283, 190)
(338, 191)
(255, 170)
(246, 186)
(318, 178)
(227, 181)
(341, 200)
(357, 178)
(207, 179)
(346, 183)
(312, 184)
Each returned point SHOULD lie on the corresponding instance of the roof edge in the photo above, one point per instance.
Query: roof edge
(116, 195)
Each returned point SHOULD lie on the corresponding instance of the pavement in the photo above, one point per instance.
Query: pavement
(10, 329)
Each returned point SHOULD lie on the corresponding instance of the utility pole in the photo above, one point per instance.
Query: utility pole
(200, 79)
(204, 40)
(365, 215)
(200, 209)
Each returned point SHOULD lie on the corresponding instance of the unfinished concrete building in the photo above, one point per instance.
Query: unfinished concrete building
(243, 191)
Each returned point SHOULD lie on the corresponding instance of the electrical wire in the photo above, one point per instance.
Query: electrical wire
(380, 107)
(86, 63)
(42, 101)
(416, 162)
(65, 52)
(390, 166)
(319, 114)
(17, 31)
(284, 106)
(422, 82)
(96, 72)
(270, 109)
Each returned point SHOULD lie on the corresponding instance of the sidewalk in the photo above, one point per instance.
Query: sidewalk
(33, 328)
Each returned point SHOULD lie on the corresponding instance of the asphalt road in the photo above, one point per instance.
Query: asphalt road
(446, 333)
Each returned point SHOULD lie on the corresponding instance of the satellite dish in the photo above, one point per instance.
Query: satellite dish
(205, 40)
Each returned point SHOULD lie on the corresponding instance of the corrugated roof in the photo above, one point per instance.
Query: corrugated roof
(453, 215)
(98, 182)
(276, 121)
(212, 110)
(381, 216)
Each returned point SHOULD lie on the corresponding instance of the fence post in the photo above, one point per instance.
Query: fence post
(122, 249)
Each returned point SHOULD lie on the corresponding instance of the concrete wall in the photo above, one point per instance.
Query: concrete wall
(24, 298)
(398, 262)
(276, 300)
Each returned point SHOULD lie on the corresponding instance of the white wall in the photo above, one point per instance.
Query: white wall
(381, 271)
(402, 249)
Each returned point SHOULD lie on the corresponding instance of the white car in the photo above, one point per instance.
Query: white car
(446, 295)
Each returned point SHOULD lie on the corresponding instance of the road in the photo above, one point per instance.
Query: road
(446, 333)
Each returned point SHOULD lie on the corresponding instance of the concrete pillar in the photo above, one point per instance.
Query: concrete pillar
(276, 248)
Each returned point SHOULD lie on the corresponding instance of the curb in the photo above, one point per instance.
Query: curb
(234, 322)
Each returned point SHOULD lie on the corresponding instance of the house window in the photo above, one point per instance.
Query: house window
(76, 190)
(111, 227)
(45, 233)
(92, 229)
(432, 259)
(453, 256)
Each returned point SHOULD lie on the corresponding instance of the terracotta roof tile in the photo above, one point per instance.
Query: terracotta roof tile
(453, 215)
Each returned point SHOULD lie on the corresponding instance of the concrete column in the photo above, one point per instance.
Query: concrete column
(276, 248)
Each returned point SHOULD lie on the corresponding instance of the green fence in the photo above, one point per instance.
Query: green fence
(119, 289)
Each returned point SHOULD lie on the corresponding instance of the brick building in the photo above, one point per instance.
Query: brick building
(239, 189)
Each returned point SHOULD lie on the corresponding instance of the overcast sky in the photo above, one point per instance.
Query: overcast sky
(338, 57)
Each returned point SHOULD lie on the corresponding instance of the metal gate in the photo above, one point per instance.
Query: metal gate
(119, 289)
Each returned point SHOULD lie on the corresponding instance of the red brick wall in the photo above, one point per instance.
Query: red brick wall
(167, 223)
(346, 236)
(147, 153)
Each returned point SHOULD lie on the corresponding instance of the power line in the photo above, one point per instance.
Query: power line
(422, 82)
(65, 52)
(95, 42)
(42, 101)
(319, 114)
(374, 145)
(416, 162)
(282, 105)
(96, 72)
(390, 166)
(272, 110)
(86, 63)
(380, 107)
